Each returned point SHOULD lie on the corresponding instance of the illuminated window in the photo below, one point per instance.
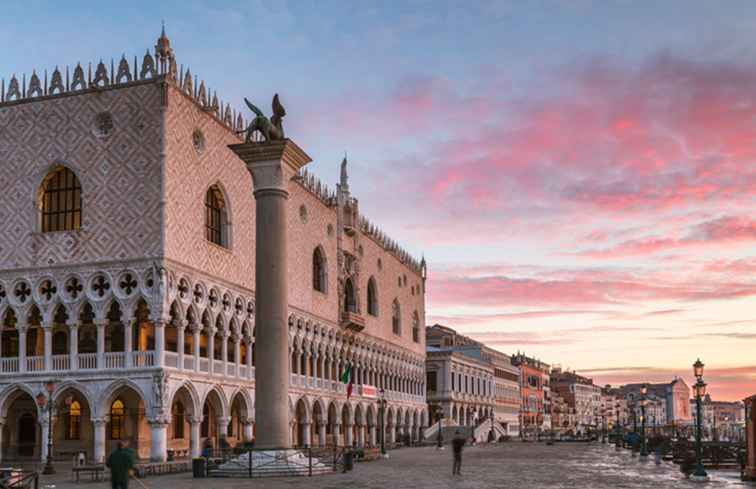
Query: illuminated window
(60, 203)
(73, 429)
(117, 414)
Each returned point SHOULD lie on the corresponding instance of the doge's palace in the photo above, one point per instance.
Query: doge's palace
(127, 266)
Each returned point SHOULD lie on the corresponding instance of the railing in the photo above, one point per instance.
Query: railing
(243, 373)
(115, 359)
(87, 361)
(231, 369)
(61, 362)
(171, 359)
(9, 365)
(204, 365)
(277, 462)
(35, 364)
(218, 367)
(143, 358)
(188, 362)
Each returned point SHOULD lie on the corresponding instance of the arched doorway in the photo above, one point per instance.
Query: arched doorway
(183, 439)
(239, 420)
(73, 430)
(21, 435)
(302, 427)
(213, 427)
(126, 421)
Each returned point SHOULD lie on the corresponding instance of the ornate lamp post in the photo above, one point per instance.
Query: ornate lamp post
(700, 473)
(618, 440)
(644, 450)
(382, 414)
(45, 403)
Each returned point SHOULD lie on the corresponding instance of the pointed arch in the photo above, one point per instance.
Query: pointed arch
(319, 270)
(59, 201)
(217, 218)
(372, 297)
(350, 299)
(415, 327)
(396, 317)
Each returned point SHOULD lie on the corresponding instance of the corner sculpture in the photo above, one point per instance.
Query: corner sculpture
(271, 129)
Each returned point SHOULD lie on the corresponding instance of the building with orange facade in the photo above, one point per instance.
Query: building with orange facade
(534, 385)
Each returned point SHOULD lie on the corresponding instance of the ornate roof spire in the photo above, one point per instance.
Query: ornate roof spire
(163, 51)
(344, 177)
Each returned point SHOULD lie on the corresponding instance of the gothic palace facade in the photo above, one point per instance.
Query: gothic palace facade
(127, 275)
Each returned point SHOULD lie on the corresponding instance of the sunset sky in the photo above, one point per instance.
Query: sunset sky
(581, 176)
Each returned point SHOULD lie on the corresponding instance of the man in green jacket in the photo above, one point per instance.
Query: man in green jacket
(120, 462)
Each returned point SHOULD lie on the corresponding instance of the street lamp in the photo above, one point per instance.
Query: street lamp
(45, 403)
(618, 440)
(700, 473)
(382, 413)
(643, 400)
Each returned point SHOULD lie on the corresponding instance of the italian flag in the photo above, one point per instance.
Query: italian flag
(347, 378)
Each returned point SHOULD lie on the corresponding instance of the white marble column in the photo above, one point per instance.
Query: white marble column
(360, 435)
(196, 328)
(22, 329)
(100, 325)
(73, 344)
(372, 434)
(272, 165)
(221, 427)
(43, 437)
(128, 337)
(195, 447)
(224, 351)
(249, 433)
(99, 439)
(211, 349)
(158, 440)
(237, 353)
(249, 344)
(47, 345)
(160, 326)
(180, 333)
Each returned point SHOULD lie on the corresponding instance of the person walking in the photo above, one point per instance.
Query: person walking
(457, 443)
(120, 463)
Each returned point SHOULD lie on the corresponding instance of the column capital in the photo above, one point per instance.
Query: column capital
(195, 327)
(160, 419)
(73, 323)
(272, 163)
(195, 420)
(102, 421)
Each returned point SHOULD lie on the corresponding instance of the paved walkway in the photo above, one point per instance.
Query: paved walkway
(510, 465)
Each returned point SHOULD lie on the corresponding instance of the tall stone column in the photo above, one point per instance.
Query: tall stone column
(99, 439)
(336, 429)
(158, 440)
(180, 338)
(100, 324)
(322, 434)
(22, 329)
(211, 350)
(272, 164)
(195, 448)
(128, 336)
(43, 437)
(248, 428)
(73, 344)
(159, 342)
(47, 328)
(196, 328)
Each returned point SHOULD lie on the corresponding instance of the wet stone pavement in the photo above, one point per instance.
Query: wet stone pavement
(509, 465)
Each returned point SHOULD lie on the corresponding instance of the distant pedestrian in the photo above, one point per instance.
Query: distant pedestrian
(120, 462)
(457, 444)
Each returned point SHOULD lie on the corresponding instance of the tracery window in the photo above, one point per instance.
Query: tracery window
(117, 415)
(73, 427)
(216, 217)
(372, 297)
(318, 271)
(60, 203)
(396, 318)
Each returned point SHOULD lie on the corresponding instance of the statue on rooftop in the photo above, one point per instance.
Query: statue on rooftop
(271, 129)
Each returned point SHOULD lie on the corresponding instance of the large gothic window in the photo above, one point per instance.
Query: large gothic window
(350, 301)
(396, 318)
(318, 270)
(216, 217)
(415, 327)
(60, 202)
(372, 297)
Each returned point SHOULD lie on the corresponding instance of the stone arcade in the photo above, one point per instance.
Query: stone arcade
(127, 270)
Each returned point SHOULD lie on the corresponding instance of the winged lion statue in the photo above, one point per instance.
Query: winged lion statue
(271, 129)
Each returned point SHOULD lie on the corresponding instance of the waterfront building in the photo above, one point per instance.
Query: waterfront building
(583, 397)
(127, 277)
(534, 381)
(675, 396)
